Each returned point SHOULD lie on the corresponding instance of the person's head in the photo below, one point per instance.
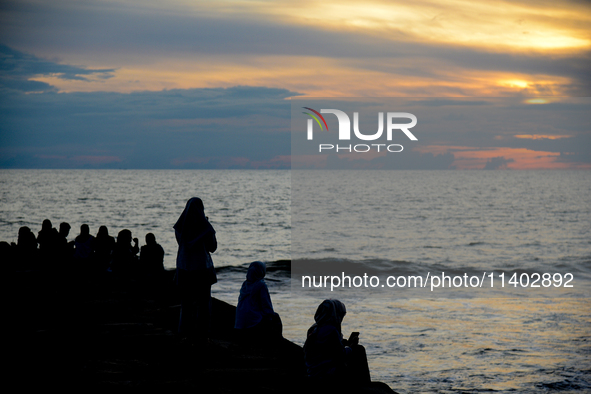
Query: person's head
(150, 239)
(46, 225)
(195, 210)
(192, 221)
(103, 232)
(195, 203)
(84, 229)
(64, 229)
(256, 271)
(330, 312)
(26, 238)
(124, 237)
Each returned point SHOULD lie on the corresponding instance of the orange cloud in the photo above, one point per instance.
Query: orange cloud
(541, 136)
(470, 158)
(512, 25)
(319, 77)
(510, 28)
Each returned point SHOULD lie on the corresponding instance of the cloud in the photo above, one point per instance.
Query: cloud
(162, 129)
(249, 127)
(233, 65)
(497, 162)
(394, 161)
(582, 157)
(237, 127)
(461, 133)
(573, 149)
(17, 68)
(313, 47)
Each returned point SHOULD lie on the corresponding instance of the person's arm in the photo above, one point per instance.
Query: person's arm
(266, 304)
(212, 243)
(353, 340)
(135, 249)
(335, 345)
(160, 258)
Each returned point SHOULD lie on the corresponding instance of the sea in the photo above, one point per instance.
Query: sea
(484, 224)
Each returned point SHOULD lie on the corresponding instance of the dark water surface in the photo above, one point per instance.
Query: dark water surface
(410, 222)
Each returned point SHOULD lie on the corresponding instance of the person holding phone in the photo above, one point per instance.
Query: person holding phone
(195, 272)
(330, 359)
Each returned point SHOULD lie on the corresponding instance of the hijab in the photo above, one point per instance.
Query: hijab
(329, 312)
(254, 302)
(192, 225)
(254, 278)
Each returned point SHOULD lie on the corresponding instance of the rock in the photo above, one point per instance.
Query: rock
(72, 333)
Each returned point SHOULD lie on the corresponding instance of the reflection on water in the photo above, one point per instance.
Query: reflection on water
(501, 345)
(415, 222)
(524, 345)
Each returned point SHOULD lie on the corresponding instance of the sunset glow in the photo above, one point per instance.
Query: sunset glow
(538, 136)
(392, 38)
(469, 158)
(144, 55)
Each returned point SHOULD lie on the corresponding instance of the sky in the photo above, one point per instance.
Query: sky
(210, 84)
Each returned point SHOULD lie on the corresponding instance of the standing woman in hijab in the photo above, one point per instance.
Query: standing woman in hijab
(195, 272)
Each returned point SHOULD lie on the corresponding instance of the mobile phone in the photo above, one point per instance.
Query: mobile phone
(354, 335)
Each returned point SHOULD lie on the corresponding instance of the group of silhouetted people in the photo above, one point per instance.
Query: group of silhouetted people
(331, 361)
(100, 254)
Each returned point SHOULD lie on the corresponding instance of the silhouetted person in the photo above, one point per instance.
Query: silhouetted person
(255, 318)
(47, 239)
(46, 236)
(124, 260)
(195, 272)
(151, 257)
(64, 230)
(103, 248)
(65, 249)
(332, 361)
(84, 249)
(26, 242)
(26, 248)
(7, 255)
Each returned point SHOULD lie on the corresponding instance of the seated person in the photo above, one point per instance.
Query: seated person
(330, 359)
(255, 317)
